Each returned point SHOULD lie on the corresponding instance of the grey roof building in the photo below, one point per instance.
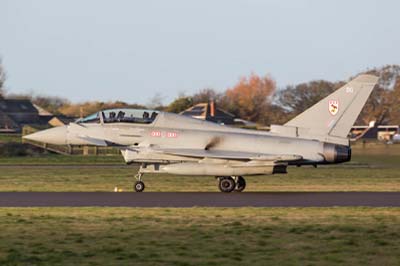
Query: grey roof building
(210, 112)
(15, 113)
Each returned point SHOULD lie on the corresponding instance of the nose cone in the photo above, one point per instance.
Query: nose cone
(55, 135)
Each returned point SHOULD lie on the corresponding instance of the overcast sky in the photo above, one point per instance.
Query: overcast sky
(132, 50)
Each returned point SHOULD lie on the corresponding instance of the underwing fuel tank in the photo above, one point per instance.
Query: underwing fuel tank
(223, 169)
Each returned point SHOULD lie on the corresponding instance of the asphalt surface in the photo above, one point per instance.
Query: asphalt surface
(200, 199)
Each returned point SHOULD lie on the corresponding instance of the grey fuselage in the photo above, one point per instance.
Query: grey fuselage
(170, 131)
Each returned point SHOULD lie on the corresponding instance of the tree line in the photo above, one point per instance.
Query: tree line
(2, 80)
(254, 98)
(257, 99)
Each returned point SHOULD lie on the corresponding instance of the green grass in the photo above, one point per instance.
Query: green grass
(91, 173)
(49, 159)
(199, 236)
(105, 179)
(377, 148)
(7, 138)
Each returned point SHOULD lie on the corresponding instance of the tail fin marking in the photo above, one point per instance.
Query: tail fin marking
(335, 114)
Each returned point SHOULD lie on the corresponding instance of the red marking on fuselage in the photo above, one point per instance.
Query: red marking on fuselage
(155, 134)
(172, 135)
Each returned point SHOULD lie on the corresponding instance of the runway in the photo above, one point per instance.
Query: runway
(199, 199)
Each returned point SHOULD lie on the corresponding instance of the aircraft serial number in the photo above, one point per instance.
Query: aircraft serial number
(159, 134)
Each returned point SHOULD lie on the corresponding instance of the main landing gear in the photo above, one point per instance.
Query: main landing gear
(231, 183)
(225, 183)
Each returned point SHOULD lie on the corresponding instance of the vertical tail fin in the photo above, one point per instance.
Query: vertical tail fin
(336, 114)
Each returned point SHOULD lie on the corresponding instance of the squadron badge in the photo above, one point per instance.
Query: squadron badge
(333, 107)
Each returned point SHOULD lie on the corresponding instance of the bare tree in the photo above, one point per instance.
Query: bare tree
(2, 80)
(50, 103)
(156, 102)
(180, 104)
(206, 95)
(300, 97)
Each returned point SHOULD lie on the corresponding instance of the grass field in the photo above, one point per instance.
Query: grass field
(7, 138)
(200, 236)
(51, 159)
(366, 172)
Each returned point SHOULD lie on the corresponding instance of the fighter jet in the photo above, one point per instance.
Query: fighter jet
(168, 143)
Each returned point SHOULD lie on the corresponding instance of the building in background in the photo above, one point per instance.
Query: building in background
(374, 132)
(210, 112)
(17, 113)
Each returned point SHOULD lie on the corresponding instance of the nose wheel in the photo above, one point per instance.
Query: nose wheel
(228, 184)
(138, 186)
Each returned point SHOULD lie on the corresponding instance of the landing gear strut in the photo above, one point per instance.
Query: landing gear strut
(139, 185)
(231, 183)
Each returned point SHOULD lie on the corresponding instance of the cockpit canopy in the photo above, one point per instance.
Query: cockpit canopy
(123, 115)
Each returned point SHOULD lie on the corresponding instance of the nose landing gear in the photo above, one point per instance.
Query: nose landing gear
(139, 184)
(228, 184)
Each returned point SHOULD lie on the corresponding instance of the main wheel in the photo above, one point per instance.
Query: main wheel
(139, 186)
(226, 184)
(240, 184)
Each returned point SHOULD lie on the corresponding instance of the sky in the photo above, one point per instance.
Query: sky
(133, 50)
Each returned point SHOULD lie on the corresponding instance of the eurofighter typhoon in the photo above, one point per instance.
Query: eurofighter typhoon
(173, 144)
